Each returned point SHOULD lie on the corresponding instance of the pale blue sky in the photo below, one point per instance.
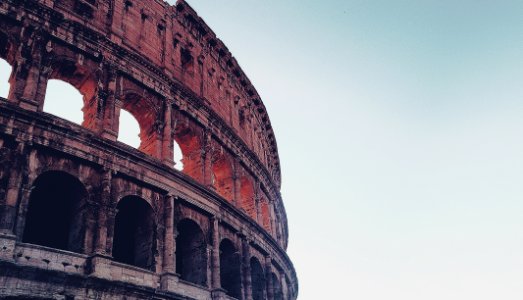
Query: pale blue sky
(399, 126)
(400, 131)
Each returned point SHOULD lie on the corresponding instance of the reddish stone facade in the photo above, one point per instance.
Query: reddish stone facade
(83, 216)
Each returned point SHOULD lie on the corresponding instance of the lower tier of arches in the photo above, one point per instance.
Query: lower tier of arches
(77, 210)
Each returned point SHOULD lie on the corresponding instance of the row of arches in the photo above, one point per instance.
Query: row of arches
(68, 100)
(65, 101)
(58, 214)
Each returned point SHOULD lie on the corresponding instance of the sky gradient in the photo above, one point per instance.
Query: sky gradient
(399, 127)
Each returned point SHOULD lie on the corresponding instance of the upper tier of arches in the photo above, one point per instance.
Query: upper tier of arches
(175, 43)
(232, 156)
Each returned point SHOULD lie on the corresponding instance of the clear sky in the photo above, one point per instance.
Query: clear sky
(400, 131)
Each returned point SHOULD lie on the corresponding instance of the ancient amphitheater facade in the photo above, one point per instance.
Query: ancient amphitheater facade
(83, 216)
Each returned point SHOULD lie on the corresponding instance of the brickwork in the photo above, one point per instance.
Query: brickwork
(83, 216)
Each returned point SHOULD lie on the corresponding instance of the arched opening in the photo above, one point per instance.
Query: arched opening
(129, 129)
(222, 177)
(247, 201)
(71, 91)
(190, 146)
(64, 100)
(56, 212)
(257, 279)
(230, 277)
(134, 240)
(191, 253)
(177, 156)
(144, 111)
(5, 73)
(5, 67)
(276, 286)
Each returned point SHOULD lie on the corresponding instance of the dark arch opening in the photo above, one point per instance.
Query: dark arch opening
(134, 241)
(276, 285)
(191, 253)
(257, 279)
(230, 277)
(56, 212)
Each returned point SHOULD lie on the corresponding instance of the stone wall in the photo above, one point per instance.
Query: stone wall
(163, 65)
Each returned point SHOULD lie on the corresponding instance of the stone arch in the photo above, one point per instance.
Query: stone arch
(223, 175)
(147, 113)
(131, 135)
(82, 75)
(230, 274)
(56, 212)
(247, 197)
(64, 100)
(191, 253)
(134, 239)
(257, 279)
(188, 138)
(276, 287)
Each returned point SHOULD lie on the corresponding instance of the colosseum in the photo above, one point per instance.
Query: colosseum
(85, 216)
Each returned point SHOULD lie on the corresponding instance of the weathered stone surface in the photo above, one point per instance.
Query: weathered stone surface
(83, 216)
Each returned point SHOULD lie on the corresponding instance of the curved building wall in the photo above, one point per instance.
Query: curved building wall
(164, 66)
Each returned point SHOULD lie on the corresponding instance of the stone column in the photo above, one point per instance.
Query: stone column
(167, 138)
(216, 283)
(111, 113)
(209, 265)
(99, 264)
(242, 266)
(169, 261)
(11, 200)
(169, 278)
(268, 276)
(30, 73)
(17, 194)
(111, 218)
(217, 292)
(8, 207)
(246, 257)
(105, 200)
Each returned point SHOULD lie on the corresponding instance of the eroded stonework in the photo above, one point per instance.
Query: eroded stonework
(83, 216)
